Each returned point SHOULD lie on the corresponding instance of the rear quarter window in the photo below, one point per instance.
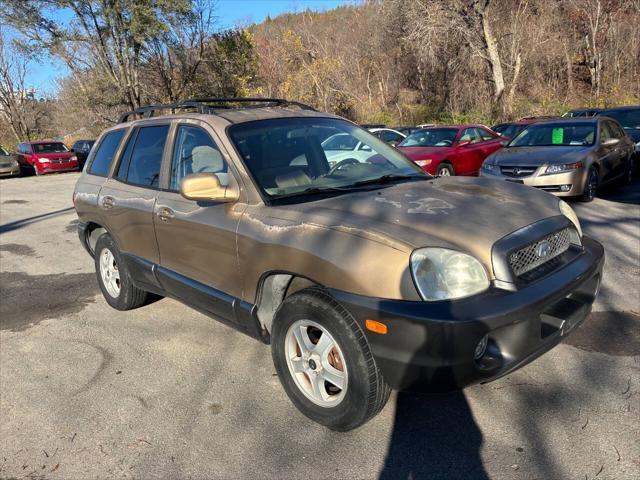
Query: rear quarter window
(106, 151)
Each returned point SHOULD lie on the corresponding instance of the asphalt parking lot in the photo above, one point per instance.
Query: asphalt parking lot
(165, 392)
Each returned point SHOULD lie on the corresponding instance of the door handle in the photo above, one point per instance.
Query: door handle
(165, 214)
(108, 202)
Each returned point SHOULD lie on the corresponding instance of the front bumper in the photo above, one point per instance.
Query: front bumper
(430, 346)
(12, 171)
(58, 167)
(549, 183)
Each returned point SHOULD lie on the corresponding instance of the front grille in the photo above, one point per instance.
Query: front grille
(539, 253)
(5, 165)
(517, 172)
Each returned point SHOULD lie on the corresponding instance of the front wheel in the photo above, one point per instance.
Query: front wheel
(445, 170)
(591, 187)
(324, 362)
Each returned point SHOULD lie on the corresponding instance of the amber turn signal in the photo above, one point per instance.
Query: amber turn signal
(376, 326)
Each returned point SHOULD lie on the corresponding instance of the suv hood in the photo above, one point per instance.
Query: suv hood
(529, 156)
(467, 214)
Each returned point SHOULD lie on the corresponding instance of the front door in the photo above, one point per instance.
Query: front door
(197, 240)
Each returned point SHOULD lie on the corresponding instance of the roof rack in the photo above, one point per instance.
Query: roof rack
(211, 105)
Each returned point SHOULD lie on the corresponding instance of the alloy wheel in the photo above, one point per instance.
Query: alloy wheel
(316, 363)
(109, 272)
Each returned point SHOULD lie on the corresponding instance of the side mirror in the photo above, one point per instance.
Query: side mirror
(207, 187)
(464, 143)
(610, 142)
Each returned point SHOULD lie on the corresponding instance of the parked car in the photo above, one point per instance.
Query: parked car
(82, 148)
(629, 118)
(388, 135)
(406, 131)
(374, 278)
(567, 157)
(582, 112)
(510, 130)
(343, 150)
(46, 157)
(9, 166)
(451, 150)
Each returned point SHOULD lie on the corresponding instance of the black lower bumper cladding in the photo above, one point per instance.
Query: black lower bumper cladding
(430, 345)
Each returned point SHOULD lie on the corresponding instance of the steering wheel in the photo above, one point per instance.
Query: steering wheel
(343, 164)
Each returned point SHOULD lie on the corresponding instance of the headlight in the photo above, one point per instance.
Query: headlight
(73, 159)
(424, 163)
(43, 160)
(443, 274)
(568, 212)
(489, 167)
(566, 167)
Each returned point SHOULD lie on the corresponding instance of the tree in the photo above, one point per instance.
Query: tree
(107, 37)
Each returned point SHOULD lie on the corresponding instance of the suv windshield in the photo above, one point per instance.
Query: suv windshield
(287, 157)
(431, 137)
(556, 134)
(49, 148)
(629, 119)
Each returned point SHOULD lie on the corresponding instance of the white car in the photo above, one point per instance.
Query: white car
(388, 135)
(343, 148)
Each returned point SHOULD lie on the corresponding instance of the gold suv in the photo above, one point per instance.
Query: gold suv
(362, 275)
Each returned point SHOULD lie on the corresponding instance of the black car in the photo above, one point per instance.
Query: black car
(82, 148)
(583, 112)
(629, 118)
(406, 130)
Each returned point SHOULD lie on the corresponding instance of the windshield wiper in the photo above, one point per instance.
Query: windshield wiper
(390, 177)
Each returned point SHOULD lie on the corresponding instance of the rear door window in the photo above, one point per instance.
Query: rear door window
(104, 155)
(143, 157)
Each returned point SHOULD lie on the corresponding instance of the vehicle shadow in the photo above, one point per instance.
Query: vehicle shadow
(434, 436)
(626, 194)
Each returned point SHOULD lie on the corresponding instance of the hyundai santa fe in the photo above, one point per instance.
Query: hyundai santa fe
(363, 279)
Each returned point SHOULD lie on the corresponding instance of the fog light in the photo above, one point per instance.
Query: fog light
(565, 188)
(481, 348)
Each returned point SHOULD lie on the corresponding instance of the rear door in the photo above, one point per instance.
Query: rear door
(128, 197)
(197, 240)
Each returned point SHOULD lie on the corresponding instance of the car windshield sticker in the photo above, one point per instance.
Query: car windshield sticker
(557, 135)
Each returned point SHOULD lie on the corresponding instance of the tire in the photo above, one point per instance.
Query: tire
(311, 312)
(445, 170)
(591, 186)
(119, 292)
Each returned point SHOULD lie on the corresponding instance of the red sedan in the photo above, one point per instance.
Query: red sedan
(46, 157)
(452, 149)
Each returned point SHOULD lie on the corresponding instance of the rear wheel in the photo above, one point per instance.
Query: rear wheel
(445, 170)
(324, 362)
(113, 276)
(591, 187)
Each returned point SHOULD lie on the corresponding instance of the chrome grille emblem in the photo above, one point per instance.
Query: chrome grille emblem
(543, 249)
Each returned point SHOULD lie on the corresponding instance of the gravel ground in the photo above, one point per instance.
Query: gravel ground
(164, 392)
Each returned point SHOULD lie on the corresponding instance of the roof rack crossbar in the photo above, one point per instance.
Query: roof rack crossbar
(210, 105)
